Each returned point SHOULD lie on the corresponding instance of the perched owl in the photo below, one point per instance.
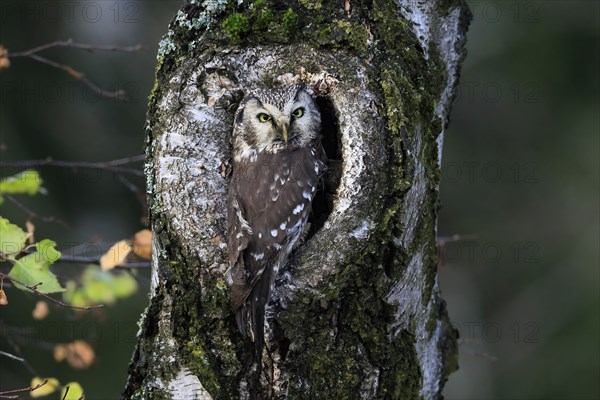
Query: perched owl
(277, 162)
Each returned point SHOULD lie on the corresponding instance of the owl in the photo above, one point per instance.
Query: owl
(277, 163)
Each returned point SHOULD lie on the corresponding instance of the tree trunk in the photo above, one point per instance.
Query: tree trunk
(356, 313)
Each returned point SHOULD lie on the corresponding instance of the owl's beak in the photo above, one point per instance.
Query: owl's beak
(284, 131)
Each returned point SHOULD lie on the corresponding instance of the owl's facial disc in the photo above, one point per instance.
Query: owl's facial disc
(276, 121)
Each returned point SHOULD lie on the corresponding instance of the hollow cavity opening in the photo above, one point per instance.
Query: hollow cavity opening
(331, 140)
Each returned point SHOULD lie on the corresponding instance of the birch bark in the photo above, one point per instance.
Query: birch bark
(357, 313)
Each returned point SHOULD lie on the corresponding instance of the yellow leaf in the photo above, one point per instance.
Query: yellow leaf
(3, 298)
(50, 387)
(75, 391)
(115, 255)
(79, 354)
(142, 244)
(30, 231)
(40, 311)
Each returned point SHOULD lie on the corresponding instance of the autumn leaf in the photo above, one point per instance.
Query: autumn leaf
(3, 298)
(30, 232)
(4, 60)
(79, 354)
(75, 392)
(115, 255)
(50, 387)
(41, 310)
(142, 244)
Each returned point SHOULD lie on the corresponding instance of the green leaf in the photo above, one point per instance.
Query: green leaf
(12, 238)
(33, 269)
(99, 292)
(124, 286)
(28, 181)
(46, 248)
(75, 391)
(98, 286)
(74, 296)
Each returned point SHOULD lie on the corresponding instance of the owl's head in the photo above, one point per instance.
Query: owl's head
(274, 120)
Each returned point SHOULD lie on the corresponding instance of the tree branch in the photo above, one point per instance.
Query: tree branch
(32, 214)
(52, 299)
(112, 166)
(3, 353)
(12, 394)
(32, 53)
(83, 46)
(79, 76)
(89, 260)
(73, 259)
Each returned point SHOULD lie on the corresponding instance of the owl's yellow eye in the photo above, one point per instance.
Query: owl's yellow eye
(298, 112)
(262, 117)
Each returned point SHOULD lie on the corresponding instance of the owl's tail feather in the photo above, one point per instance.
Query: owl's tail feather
(250, 316)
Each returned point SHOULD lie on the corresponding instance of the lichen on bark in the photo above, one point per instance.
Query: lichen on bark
(357, 312)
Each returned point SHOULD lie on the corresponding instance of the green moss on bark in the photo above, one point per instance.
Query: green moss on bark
(236, 25)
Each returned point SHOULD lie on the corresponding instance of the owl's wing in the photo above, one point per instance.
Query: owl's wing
(250, 276)
(239, 236)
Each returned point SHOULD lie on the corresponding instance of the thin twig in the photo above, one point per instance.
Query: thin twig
(32, 53)
(52, 299)
(66, 392)
(32, 214)
(3, 353)
(471, 352)
(139, 194)
(90, 260)
(113, 166)
(75, 259)
(10, 394)
(5, 332)
(83, 46)
(80, 77)
(72, 259)
(442, 240)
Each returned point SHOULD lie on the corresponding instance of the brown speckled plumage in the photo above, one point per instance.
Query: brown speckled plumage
(273, 185)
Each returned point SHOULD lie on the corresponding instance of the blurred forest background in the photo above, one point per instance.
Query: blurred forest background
(520, 184)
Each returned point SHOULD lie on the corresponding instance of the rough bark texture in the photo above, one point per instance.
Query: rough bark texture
(357, 312)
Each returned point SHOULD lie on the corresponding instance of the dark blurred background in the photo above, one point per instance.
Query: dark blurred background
(46, 113)
(520, 184)
(520, 174)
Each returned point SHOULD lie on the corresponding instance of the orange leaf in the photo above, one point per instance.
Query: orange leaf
(30, 232)
(142, 244)
(4, 61)
(60, 352)
(3, 298)
(78, 354)
(115, 255)
(40, 311)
